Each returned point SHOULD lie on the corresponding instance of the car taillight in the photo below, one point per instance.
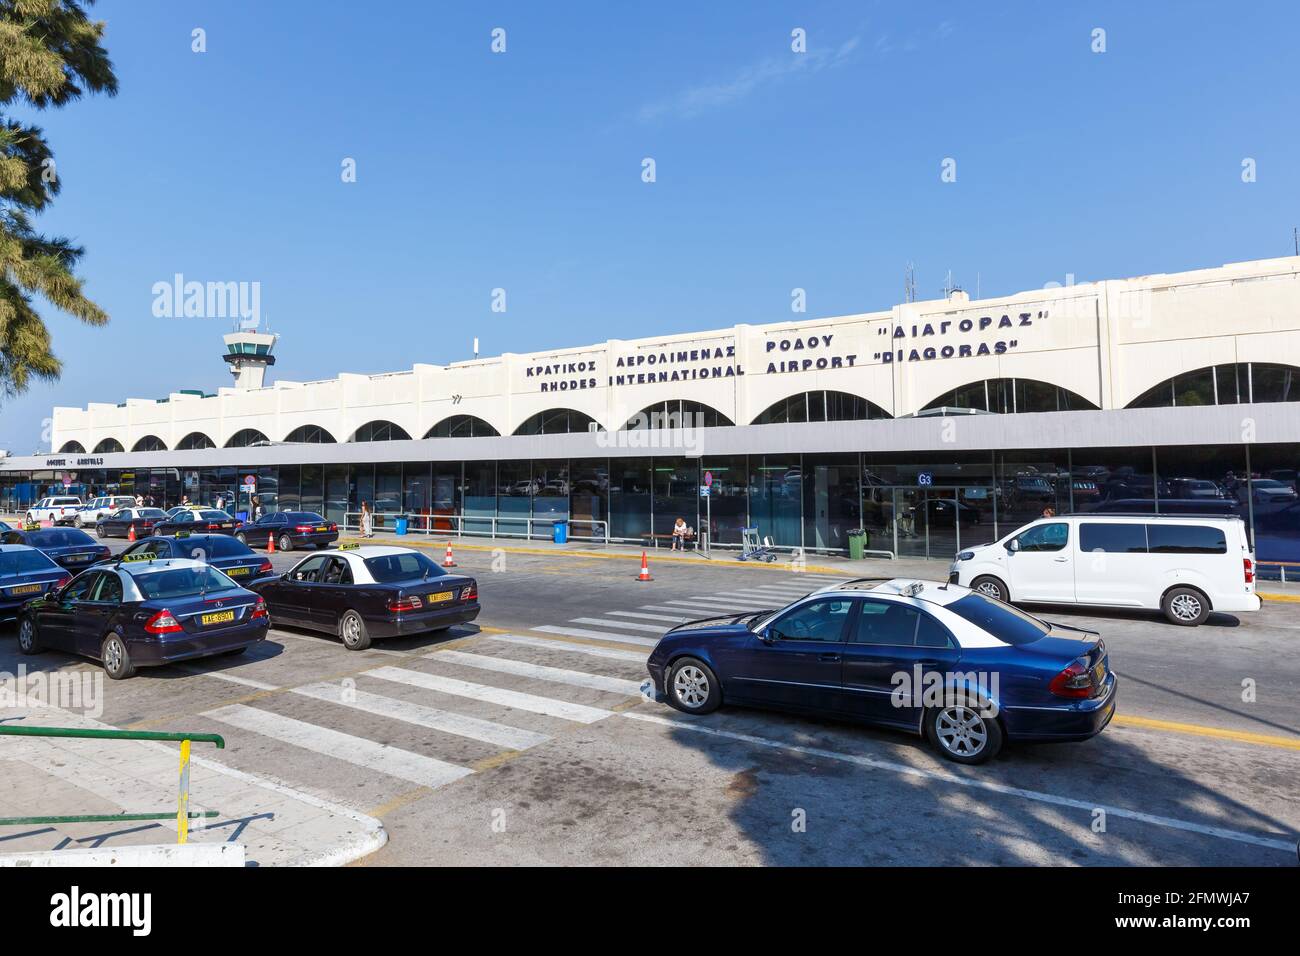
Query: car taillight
(411, 603)
(1074, 682)
(470, 593)
(62, 582)
(105, 553)
(265, 568)
(303, 528)
(259, 609)
(214, 526)
(162, 623)
(148, 524)
(333, 526)
(1248, 570)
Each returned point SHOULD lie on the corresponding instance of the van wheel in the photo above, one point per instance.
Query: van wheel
(352, 630)
(1187, 607)
(991, 587)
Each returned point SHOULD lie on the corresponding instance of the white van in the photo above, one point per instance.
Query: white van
(1186, 566)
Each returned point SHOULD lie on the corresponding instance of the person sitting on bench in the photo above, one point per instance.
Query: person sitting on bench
(681, 534)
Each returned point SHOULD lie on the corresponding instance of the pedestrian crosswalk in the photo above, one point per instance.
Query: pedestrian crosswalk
(501, 694)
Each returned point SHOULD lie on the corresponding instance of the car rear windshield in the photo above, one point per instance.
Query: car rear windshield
(304, 517)
(402, 567)
(220, 546)
(24, 562)
(150, 513)
(58, 538)
(1003, 621)
(182, 582)
(214, 516)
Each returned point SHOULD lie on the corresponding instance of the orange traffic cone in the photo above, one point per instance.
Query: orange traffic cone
(130, 532)
(270, 544)
(645, 570)
(448, 561)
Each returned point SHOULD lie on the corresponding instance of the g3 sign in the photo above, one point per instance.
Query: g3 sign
(925, 479)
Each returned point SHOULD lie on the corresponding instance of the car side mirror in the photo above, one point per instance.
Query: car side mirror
(767, 636)
(284, 576)
(1013, 546)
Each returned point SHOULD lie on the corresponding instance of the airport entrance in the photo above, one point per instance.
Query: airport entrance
(929, 521)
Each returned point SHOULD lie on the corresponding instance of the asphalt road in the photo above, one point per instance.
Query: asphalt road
(525, 739)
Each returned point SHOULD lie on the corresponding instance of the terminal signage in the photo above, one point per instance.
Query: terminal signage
(63, 462)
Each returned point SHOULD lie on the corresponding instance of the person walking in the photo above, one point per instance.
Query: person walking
(367, 521)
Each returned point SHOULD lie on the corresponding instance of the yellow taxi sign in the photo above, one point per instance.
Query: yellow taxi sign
(182, 534)
(139, 556)
(351, 546)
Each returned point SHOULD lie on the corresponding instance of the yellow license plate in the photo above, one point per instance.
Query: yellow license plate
(218, 617)
(236, 572)
(322, 529)
(441, 596)
(26, 589)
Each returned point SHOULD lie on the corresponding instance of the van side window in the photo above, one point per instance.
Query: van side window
(1113, 538)
(1045, 537)
(1186, 539)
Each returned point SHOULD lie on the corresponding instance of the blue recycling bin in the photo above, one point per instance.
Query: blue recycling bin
(560, 532)
(400, 524)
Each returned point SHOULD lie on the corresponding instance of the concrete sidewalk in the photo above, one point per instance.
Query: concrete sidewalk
(276, 824)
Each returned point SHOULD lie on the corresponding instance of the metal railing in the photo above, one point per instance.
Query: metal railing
(485, 526)
(183, 813)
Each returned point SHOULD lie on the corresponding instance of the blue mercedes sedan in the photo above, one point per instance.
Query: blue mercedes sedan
(958, 667)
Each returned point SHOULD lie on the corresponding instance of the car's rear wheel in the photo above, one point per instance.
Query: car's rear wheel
(960, 733)
(100, 532)
(353, 633)
(115, 657)
(29, 641)
(241, 537)
(1187, 607)
(990, 586)
(76, 522)
(693, 687)
(285, 543)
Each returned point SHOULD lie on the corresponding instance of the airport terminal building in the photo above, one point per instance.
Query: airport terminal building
(928, 424)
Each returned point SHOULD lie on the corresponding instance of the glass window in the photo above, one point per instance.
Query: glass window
(1045, 537)
(815, 621)
(402, 567)
(629, 497)
(888, 623)
(1113, 538)
(182, 582)
(1001, 620)
(79, 589)
(1186, 539)
(309, 571)
(110, 589)
(24, 562)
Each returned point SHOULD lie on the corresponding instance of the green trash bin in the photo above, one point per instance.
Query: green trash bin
(857, 544)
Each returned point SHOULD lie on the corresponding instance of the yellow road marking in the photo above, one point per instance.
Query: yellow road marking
(1199, 730)
(1286, 598)
(401, 800)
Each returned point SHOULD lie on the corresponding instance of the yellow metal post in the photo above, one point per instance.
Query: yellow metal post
(183, 800)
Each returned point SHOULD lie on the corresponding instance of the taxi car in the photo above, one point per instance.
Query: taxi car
(290, 529)
(144, 612)
(954, 665)
(25, 573)
(223, 552)
(198, 521)
(69, 547)
(364, 593)
(119, 523)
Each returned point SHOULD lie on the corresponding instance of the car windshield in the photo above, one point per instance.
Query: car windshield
(58, 538)
(1001, 620)
(182, 582)
(400, 567)
(24, 562)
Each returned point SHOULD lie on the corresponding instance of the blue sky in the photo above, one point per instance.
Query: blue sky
(522, 170)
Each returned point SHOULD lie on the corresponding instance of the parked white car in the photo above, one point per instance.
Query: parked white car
(97, 508)
(1183, 565)
(59, 510)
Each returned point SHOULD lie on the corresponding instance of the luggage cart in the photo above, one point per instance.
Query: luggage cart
(751, 550)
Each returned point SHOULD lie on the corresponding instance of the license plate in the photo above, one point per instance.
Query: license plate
(236, 572)
(441, 596)
(322, 529)
(26, 589)
(218, 617)
(83, 557)
(227, 524)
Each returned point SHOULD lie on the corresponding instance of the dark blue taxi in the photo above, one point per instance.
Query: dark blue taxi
(70, 547)
(144, 613)
(223, 552)
(25, 573)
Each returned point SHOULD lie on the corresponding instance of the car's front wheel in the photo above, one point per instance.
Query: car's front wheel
(352, 630)
(100, 531)
(28, 639)
(241, 537)
(959, 732)
(990, 586)
(1187, 607)
(693, 687)
(115, 657)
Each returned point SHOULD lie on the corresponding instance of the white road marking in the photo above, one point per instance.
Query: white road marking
(596, 635)
(559, 675)
(382, 758)
(410, 712)
(557, 644)
(324, 640)
(606, 622)
(766, 597)
(649, 617)
(718, 607)
(989, 786)
(222, 675)
(685, 616)
(492, 695)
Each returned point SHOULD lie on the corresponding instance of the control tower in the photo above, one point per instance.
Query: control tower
(249, 353)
